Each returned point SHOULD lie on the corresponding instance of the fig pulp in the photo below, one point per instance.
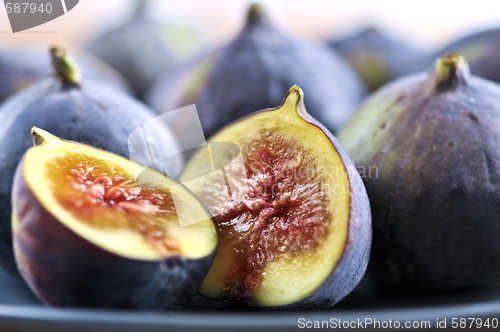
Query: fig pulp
(254, 71)
(431, 143)
(295, 227)
(80, 110)
(379, 57)
(21, 68)
(87, 234)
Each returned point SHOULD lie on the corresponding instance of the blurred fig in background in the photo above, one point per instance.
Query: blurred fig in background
(74, 108)
(254, 71)
(481, 50)
(21, 68)
(141, 49)
(379, 57)
(429, 145)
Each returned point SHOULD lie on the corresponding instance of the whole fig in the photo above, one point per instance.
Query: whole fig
(254, 71)
(428, 147)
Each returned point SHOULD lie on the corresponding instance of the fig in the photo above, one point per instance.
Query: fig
(87, 234)
(378, 57)
(480, 50)
(77, 109)
(21, 68)
(141, 49)
(294, 222)
(254, 71)
(428, 145)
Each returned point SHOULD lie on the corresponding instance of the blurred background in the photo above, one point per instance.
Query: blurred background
(426, 22)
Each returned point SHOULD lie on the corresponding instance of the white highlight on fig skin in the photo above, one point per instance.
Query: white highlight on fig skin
(144, 149)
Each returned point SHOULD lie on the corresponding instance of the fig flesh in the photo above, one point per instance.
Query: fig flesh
(295, 229)
(74, 108)
(87, 234)
(379, 57)
(432, 141)
(254, 71)
(21, 68)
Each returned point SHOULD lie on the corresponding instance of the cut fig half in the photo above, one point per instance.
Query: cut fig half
(87, 233)
(294, 223)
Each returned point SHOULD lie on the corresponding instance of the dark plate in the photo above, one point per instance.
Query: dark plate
(21, 311)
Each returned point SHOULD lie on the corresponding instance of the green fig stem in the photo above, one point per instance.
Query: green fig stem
(450, 70)
(140, 7)
(37, 138)
(41, 137)
(65, 67)
(294, 100)
(295, 94)
(256, 15)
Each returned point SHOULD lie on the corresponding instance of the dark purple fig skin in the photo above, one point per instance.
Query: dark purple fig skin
(21, 68)
(352, 265)
(379, 57)
(435, 200)
(256, 70)
(91, 113)
(89, 276)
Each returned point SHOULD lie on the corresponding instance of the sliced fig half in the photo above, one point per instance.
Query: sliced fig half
(86, 234)
(294, 219)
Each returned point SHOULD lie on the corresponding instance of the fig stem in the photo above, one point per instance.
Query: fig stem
(450, 71)
(255, 15)
(294, 100)
(37, 138)
(41, 137)
(65, 67)
(295, 93)
(140, 7)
